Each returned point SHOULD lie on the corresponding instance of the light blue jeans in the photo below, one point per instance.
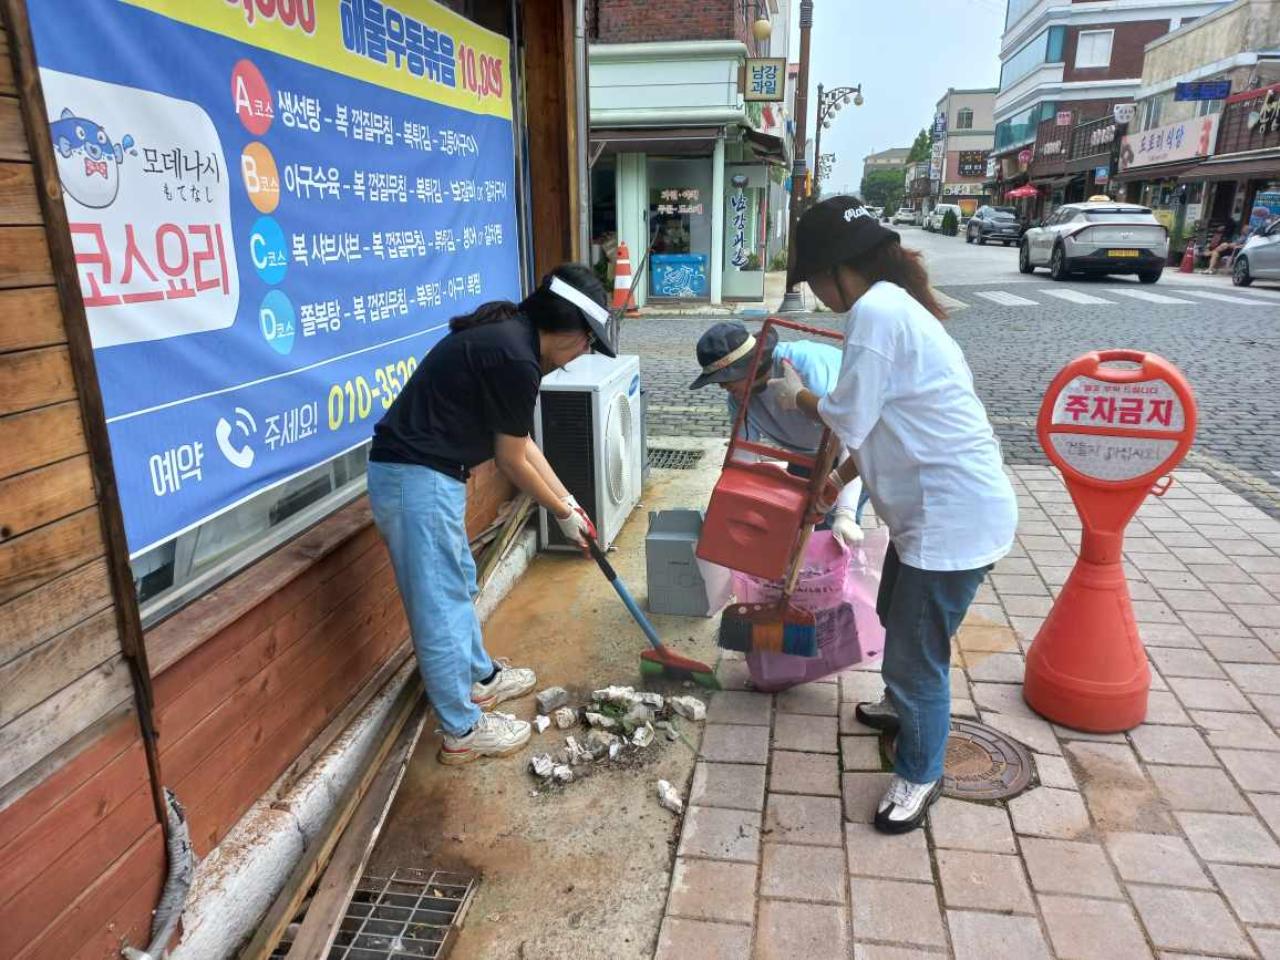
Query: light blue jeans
(921, 610)
(421, 514)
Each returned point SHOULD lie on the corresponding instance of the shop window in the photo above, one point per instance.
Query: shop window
(1093, 49)
(1045, 48)
(175, 572)
(680, 210)
(964, 119)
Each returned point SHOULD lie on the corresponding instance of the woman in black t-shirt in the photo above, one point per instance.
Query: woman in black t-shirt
(470, 400)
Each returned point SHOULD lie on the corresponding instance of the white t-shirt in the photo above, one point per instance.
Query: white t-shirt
(906, 409)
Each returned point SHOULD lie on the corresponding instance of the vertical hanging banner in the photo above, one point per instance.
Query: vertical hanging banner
(276, 206)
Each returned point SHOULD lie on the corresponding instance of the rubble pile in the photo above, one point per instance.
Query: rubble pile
(618, 724)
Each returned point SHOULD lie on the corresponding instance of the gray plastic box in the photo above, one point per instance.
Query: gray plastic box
(680, 583)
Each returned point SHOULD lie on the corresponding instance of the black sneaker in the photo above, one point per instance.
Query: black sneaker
(880, 715)
(905, 805)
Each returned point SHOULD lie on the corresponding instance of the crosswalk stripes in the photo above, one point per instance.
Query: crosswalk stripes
(1005, 299)
(1147, 295)
(1076, 296)
(1226, 298)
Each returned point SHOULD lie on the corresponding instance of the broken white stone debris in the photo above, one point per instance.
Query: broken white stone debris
(670, 729)
(541, 723)
(618, 696)
(643, 736)
(615, 748)
(598, 742)
(565, 718)
(650, 699)
(562, 773)
(541, 765)
(668, 797)
(601, 721)
(551, 698)
(577, 752)
(691, 708)
(638, 715)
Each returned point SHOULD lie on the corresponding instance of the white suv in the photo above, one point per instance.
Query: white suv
(906, 215)
(1096, 237)
(934, 220)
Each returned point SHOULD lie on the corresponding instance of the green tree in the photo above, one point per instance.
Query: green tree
(921, 147)
(883, 188)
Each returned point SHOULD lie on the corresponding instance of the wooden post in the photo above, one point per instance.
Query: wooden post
(80, 347)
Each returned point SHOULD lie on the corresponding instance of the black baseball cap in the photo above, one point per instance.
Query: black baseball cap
(725, 352)
(832, 232)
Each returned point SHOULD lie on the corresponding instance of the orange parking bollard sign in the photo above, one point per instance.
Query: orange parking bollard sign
(1114, 422)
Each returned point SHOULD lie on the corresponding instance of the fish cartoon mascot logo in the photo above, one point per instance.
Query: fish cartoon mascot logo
(88, 162)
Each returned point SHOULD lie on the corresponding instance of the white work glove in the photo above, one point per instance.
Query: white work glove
(577, 526)
(786, 388)
(829, 493)
(845, 528)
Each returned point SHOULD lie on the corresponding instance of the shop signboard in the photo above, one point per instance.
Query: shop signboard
(682, 275)
(937, 159)
(1185, 140)
(973, 163)
(1100, 175)
(275, 210)
(1266, 207)
(765, 79)
(1063, 118)
(1203, 90)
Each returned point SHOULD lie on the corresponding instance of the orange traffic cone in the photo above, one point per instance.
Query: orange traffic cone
(622, 298)
(1188, 264)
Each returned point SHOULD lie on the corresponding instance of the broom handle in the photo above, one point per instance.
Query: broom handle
(821, 469)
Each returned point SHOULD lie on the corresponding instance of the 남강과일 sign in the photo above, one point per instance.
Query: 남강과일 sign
(275, 209)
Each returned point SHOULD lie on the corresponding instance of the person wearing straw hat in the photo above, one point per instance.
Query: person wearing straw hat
(725, 352)
(904, 406)
(471, 400)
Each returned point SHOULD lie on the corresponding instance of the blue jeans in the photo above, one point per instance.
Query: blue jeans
(921, 611)
(421, 514)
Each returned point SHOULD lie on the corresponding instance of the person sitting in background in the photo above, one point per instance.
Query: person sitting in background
(1224, 242)
(724, 353)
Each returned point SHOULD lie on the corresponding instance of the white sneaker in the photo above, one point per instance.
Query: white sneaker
(510, 683)
(905, 805)
(494, 735)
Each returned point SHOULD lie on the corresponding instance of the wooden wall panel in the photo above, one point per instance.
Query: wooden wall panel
(548, 78)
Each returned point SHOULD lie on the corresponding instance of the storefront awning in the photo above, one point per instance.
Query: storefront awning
(1052, 182)
(766, 146)
(1242, 168)
(678, 141)
(1157, 171)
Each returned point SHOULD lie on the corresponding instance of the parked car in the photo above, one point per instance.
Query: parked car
(934, 220)
(907, 215)
(995, 224)
(1259, 258)
(1099, 238)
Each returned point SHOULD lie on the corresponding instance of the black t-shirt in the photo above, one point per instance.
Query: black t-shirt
(471, 385)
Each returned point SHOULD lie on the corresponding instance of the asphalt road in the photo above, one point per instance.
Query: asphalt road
(1017, 331)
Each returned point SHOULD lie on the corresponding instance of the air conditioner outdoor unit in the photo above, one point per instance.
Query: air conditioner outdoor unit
(588, 423)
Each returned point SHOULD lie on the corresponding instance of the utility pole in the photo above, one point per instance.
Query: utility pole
(792, 302)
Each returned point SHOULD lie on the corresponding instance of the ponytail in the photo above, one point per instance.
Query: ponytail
(495, 311)
(895, 263)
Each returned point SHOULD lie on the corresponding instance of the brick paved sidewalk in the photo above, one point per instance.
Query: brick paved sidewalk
(1160, 843)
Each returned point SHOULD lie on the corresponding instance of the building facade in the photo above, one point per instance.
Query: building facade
(967, 136)
(892, 159)
(1064, 63)
(685, 157)
(1204, 148)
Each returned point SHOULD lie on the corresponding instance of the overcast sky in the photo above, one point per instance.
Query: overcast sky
(905, 53)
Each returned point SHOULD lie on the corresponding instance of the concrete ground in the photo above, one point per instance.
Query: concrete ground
(580, 871)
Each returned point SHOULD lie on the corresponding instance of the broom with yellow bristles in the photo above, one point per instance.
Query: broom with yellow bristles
(780, 627)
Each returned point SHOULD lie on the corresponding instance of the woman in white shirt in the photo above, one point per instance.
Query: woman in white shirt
(905, 407)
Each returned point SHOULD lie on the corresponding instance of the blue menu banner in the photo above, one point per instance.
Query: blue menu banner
(275, 207)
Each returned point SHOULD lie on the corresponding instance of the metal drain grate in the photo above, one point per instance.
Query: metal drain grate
(412, 913)
(981, 763)
(664, 458)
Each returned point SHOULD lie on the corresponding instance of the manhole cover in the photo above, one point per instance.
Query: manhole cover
(981, 763)
(664, 458)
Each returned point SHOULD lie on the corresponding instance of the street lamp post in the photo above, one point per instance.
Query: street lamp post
(791, 301)
(830, 103)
